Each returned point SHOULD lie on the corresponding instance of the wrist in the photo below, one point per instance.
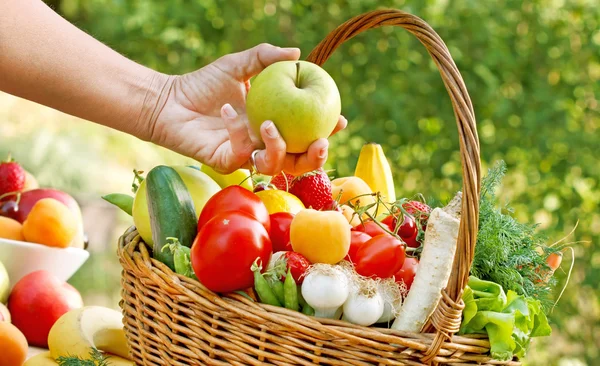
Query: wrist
(156, 90)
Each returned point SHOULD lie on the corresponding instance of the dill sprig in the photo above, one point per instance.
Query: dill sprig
(97, 358)
(508, 252)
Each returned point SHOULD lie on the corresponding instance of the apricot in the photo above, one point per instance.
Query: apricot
(320, 236)
(348, 213)
(13, 345)
(352, 189)
(50, 223)
(11, 229)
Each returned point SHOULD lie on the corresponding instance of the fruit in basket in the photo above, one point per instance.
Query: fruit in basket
(314, 190)
(225, 249)
(282, 181)
(280, 201)
(12, 176)
(199, 185)
(11, 229)
(13, 345)
(352, 190)
(235, 198)
(172, 213)
(301, 99)
(80, 330)
(4, 314)
(28, 199)
(37, 301)
(350, 215)
(320, 236)
(50, 223)
(373, 168)
(372, 228)
(406, 274)
(357, 239)
(4, 284)
(239, 177)
(381, 256)
(280, 231)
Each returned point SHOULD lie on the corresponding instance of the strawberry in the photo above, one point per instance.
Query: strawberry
(12, 177)
(314, 190)
(279, 181)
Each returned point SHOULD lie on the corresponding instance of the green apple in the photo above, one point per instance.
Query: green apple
(4, 284)
(300, 98)
(239, 177)
(201, 188)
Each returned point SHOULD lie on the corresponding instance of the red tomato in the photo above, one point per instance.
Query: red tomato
(357, 239)
(225, 249)
(280, 231)
(412, 240)
(407, 229)
(297, 264)
(235, 198)
(382, 256)
(407, 273)
(370, 228)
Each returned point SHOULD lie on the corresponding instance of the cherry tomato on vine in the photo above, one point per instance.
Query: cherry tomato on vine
(280, 231)
(406, 274)
(357, 239)
(381, 256)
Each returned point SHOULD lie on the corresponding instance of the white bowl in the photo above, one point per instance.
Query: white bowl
(21, 258)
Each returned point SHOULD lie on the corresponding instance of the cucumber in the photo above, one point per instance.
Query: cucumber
(171, 210)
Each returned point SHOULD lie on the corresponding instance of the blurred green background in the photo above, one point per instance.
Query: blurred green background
(532, 69)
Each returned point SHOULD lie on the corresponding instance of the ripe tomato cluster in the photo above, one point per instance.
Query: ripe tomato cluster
(234, 229)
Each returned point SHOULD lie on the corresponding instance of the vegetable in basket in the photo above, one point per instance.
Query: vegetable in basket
(510, 320)
(436, 261)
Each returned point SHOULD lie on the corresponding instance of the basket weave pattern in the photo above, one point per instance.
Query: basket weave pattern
(173, 320)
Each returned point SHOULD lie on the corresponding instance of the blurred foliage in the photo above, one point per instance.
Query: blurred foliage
(532, 69)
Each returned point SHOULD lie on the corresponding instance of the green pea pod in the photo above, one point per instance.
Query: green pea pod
(122, 201)
(291, 292)
(308, 310)
(277, 287)
(181, 258)
(263, 290)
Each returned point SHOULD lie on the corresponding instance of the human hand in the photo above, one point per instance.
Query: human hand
(204, 117)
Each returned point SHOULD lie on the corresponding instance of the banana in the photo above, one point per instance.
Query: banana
(77, 331)
(226, 180)
(373, 168)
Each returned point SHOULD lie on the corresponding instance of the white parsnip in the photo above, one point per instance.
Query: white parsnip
(435, 267)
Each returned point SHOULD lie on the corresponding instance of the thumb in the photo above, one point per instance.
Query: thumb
(244, 65)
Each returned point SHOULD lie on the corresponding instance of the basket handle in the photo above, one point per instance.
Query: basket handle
(451, 304)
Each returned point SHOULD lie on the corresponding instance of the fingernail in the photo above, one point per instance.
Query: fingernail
(229, 111)
(323, 153)
(271, 130)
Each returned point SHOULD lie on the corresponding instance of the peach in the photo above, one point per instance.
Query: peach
(11, 229)
(320, 236)
(51, 223)
(13, 345)
(354, 190)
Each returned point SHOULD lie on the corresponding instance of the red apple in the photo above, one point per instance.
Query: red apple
(37, 301)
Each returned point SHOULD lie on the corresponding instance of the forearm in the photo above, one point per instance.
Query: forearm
(46, 59)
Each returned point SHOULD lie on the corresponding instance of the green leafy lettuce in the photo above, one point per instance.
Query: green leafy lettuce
(509, 319)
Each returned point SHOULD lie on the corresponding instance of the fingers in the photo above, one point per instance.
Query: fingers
(313, 159)
(243, 65)
(240, 143)
(342, 123)
(270, 161)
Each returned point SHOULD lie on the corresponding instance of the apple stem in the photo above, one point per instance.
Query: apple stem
(298, 74)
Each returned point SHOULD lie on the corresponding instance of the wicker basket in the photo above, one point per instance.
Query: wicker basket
(173, 320)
